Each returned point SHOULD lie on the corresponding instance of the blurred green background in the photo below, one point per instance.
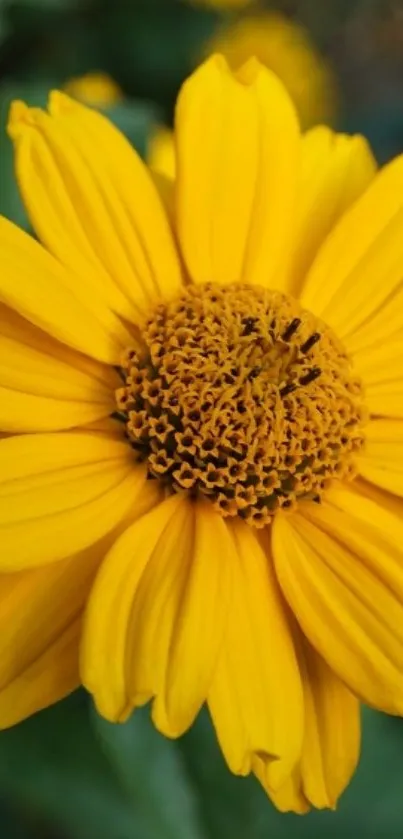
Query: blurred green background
(66, 774)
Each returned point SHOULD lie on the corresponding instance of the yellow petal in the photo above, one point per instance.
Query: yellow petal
(47, 679)
(39, 619)
(382, 459)
(161, 155)
(93, 203)
(47, 385)
(335, 171)
(237, 151)
(332, 731)
(359, 266)
(287, 798)
(39, 392)
(107, 640)
(60, 493)
(17, 328)
(384, 499)
(22, 412)
(256, 696)
(331, 742)
(380, 365)
(383, 329)
(40, 626)
(340, 566)
(199, 623)
(38, 287)
(157, 600)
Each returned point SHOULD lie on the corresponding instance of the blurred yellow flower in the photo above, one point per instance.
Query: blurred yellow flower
(224, 4)
(285, 48)
(161, 152)
(201, 472)
(96, 89)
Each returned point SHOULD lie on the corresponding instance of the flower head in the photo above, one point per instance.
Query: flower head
(201, 465)
(223, 5)
(96, 89)
(161, 152)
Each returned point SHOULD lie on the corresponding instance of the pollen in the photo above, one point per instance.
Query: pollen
(239, 395)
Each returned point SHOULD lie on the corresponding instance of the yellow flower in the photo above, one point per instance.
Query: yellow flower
(223, 5)
(285, 48)
(161, 152)
(96, 89)
(201, 473)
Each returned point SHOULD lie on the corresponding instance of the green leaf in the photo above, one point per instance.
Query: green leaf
(235, 808)
(232, 807)
(152, 771)
(52, 764)
(94, 780)
(136, 120)
(151, 48)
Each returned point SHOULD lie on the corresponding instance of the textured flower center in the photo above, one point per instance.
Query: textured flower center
(239, 395)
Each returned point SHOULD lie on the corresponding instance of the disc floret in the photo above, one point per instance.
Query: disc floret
(239, 395)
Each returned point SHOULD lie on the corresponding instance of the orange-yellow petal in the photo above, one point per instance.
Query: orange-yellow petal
(340, 565)
(335, 171)
(331, 743)
(60, 493)
(381, 497)
(42, 391)
(164, 637)
(359, 267)
(39, 622)
(48, 678)
(379, 361)
(332, 731)
(287, 798)
(106, 667)
(93, 203)
(381, 461)
(256, 696)
(40, 626)
(237, 152)
(199, 624)
(54, 299)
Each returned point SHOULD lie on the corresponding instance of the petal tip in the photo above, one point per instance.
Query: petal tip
(217, 61)
(19, 116)
(248, 72)
(60, 103)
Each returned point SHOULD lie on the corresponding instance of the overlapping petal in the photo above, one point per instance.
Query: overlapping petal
(54, 299)
(40, 623)
(168, 624)
(382, 459)
(378, 360)
(237, 156)
(358, 270)
(332, 731)
(256, 697)
(93, 204)
(331, 742)
(340, 566)
(335, 170)
(60, 493)
(50, 677)
(44, 386)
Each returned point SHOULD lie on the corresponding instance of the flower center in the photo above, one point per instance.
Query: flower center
(239, 395)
